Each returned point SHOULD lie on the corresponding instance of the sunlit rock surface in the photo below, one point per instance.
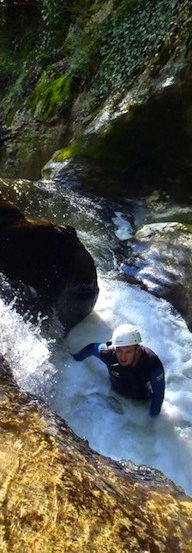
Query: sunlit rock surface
(58, 495)
(51, 260)
(161, 262)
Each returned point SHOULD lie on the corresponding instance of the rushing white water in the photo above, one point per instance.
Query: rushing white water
(81, 392)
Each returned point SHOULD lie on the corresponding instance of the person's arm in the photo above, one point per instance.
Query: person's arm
(158, 386)
(91, 349)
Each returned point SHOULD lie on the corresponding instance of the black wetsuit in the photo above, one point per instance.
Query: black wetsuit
(142, 381)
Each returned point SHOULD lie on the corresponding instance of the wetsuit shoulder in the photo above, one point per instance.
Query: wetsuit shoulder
(151, 358)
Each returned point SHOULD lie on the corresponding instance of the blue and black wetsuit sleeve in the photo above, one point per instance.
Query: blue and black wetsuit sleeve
(92, 349)
(158, 387)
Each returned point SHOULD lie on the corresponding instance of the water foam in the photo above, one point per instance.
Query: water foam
(118, 427)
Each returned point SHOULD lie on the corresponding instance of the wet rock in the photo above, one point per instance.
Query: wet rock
(50, 260)
(59, 495)
(161, 263)
(6, 372)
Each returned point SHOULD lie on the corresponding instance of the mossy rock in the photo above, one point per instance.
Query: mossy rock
(149, 146)
(50, 94)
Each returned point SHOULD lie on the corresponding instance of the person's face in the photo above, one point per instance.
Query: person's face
(126, 355)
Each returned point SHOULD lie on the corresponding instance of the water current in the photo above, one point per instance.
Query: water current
(80, 392)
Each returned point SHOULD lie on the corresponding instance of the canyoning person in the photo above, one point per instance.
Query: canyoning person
(135, 371)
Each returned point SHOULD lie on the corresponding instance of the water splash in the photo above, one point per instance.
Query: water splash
(26, 351)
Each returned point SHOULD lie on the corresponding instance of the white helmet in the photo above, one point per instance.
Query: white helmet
(126, 335)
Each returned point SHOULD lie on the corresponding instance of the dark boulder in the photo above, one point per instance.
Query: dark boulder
(49, 259)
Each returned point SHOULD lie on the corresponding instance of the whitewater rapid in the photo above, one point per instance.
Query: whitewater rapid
(118, 427)
(42, 361)
(80, 392)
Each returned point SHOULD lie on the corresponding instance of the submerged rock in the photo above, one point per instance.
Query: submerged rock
(59, 495)
(50, 260)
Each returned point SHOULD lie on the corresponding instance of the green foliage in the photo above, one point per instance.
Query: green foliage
(56, 17)
(110, 52)
(17, 42)
(6, 68)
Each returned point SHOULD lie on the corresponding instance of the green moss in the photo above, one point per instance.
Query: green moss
(66, 153)
(50, 93)
(110, 149)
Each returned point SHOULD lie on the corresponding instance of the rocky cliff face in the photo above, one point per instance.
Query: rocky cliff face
(118, 92)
